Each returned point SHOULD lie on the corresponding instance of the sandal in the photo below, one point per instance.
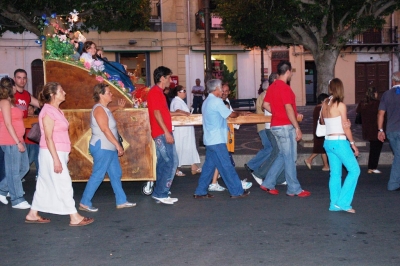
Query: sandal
(197, 171)
(179, 173)
(85, 221)
(40, 220)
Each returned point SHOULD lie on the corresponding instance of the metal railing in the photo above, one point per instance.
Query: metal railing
(387, 35)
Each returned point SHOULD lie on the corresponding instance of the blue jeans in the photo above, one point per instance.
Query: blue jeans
(340, 153)
(262, 154)
(33, 155)
(104, 161)
(167, 162)
(197, 102)
(286, 138)
(217, 156)
(268, 160)
(16, 166)
(394, 180)
(2, 167)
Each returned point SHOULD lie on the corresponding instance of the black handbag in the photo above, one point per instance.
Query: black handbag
(34, 134)
(120, 140)
(358, 120)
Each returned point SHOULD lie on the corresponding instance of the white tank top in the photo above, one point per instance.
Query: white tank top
(97, 134)
(334, 125)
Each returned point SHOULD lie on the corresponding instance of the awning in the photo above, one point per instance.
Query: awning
(130, 48)
(221, 48)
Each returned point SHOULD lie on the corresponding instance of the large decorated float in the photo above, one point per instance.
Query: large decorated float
(78, 79)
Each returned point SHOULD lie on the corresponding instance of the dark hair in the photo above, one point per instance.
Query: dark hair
(6, 89)
(283, 67)
(159, 72)
(176, 90)
(20, 70)
(99, 89)
(48, 89)
(322, 97)
(370, 94)
(337, 90)
(87, 46)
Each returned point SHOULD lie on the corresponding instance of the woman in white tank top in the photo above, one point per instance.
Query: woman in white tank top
(339, 145)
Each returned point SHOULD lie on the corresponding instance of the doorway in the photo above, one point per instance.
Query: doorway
(375, 74)
(311, 82)
(37, 76)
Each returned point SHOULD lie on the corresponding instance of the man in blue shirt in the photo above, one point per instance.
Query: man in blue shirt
(215, 137)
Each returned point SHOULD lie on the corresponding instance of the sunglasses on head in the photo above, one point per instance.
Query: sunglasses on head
(182, 91)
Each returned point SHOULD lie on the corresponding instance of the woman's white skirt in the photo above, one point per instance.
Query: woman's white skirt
(185, 144)
(54, 192)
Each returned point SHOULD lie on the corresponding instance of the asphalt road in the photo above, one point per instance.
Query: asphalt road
(258, 230)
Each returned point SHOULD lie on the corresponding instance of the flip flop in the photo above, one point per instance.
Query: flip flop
(85, 221)
(308, 164)
(41, 220)
(197, 171)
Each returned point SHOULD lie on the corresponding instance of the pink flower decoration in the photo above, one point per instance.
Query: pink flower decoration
(107, 75)
(87, 65)
(99, 78)
(121, 84)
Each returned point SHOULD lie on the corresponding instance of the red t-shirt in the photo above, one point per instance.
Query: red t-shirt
(279, 94)
(156, 101)
(22, 101)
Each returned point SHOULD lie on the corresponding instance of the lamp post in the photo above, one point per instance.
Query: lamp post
(207, 21)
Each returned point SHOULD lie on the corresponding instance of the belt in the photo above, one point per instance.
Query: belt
(339, 137)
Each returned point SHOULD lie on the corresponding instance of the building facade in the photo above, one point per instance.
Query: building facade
(176, 40)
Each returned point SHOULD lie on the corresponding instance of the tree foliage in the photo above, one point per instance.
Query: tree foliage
(101, 15)
(321, 26)
(324, 23)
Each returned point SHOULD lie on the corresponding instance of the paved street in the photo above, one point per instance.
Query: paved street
(258, 230)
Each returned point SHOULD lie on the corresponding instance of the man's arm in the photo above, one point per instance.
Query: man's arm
(34, 102)
(267, 106)
(380, 118)
(293, 119)
(161, 123)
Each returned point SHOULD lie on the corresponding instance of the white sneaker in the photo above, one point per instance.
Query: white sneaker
(3, 199)
(283, 184)
(165, 200)
(216, 187)
(246, 185)
(23, 205)
(257, 179)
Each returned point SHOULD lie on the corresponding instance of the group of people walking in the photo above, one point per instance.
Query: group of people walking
(54, 192)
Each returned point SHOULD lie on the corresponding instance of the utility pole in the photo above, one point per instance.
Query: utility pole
(207, 21)
(262, 66)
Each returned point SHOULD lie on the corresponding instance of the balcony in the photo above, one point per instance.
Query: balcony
(216, 25)
(385, 38)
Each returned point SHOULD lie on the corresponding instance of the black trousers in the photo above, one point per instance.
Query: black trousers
(375, 147)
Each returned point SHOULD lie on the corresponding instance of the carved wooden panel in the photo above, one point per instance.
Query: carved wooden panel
(138, 162)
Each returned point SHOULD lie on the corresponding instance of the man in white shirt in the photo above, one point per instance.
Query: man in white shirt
(198, 92)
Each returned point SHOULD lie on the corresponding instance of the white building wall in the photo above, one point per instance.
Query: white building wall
(18, 51)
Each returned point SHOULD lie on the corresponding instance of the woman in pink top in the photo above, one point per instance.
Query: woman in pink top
(54, 193)
(12, 144)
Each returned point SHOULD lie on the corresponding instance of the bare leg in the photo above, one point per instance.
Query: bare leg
(32, 215)
(325, 161)
(311, 158)
(215, 177)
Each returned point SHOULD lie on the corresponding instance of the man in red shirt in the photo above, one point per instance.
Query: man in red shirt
(281, 102)
(22, 100)
(161, 132)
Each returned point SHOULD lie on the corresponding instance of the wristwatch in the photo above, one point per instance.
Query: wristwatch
(351, 142)
(380, 130)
